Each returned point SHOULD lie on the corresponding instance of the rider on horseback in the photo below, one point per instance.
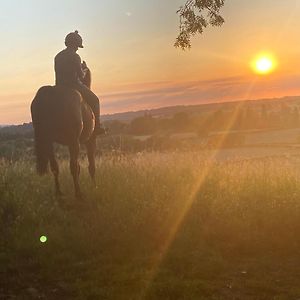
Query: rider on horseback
(69, 73)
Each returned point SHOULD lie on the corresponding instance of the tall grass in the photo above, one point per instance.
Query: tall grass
(121, 239)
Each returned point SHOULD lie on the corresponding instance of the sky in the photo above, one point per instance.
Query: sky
(129, 49)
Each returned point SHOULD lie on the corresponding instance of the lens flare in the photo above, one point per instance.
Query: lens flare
(43, 239)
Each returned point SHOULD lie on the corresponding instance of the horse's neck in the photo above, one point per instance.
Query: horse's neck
(87, 80)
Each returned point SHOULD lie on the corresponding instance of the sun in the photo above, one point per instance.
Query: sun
(264, 64)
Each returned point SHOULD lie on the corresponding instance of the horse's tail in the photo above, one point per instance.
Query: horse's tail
(43, 150)
(43, 146)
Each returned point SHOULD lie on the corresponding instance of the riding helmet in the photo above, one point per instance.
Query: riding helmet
(74, 39)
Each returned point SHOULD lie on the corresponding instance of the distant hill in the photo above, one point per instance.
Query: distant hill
(11, 132)
(165, 112)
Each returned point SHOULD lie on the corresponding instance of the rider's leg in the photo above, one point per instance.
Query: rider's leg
(93, 102)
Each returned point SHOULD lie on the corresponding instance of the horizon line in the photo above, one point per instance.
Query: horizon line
(179, 105)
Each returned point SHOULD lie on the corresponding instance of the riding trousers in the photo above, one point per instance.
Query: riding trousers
(91, 99)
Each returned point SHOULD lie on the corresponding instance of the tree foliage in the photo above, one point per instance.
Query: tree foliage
(195, 16)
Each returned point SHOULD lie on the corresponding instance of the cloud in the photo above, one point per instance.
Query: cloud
(128, 14)
(149, 95)
(199, 92)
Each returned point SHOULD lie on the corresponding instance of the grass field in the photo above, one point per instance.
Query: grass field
(158, 226)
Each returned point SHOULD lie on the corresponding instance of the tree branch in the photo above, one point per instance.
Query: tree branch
(194, 17)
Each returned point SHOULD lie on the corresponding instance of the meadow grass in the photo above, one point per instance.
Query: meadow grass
(158, 226)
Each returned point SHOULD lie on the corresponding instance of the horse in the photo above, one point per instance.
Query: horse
(60, 115)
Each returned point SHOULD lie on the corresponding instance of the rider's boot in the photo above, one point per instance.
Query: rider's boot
(99, 130)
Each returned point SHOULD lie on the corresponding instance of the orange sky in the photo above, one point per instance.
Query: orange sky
(129, 47)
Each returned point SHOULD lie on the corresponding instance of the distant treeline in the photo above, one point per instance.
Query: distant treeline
(239, 118)
(155, 132)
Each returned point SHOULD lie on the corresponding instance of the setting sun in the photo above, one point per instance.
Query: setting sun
(264, 64)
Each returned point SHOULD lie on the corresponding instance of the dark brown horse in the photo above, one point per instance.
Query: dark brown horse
(59, 115)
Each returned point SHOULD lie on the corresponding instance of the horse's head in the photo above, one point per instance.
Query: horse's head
(87, 80)
(84, 66)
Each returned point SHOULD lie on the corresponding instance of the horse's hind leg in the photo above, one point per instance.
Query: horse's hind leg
(91, 151)
(75, 168)
(55, 171)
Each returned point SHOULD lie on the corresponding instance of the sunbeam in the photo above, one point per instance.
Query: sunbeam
(191, 198)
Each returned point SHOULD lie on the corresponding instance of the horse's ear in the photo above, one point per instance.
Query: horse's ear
(84, 66)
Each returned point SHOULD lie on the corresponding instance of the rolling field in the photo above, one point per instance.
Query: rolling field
(158, 226)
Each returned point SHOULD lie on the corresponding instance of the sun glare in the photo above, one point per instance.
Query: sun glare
(264, 64)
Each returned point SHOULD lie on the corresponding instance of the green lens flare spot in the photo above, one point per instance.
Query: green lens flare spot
(43, 239)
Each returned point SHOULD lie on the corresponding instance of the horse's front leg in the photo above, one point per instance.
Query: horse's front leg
(75, 167)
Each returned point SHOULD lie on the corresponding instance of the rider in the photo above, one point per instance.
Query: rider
(69, 73)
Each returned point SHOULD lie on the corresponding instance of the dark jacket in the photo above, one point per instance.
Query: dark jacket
(68, 70)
